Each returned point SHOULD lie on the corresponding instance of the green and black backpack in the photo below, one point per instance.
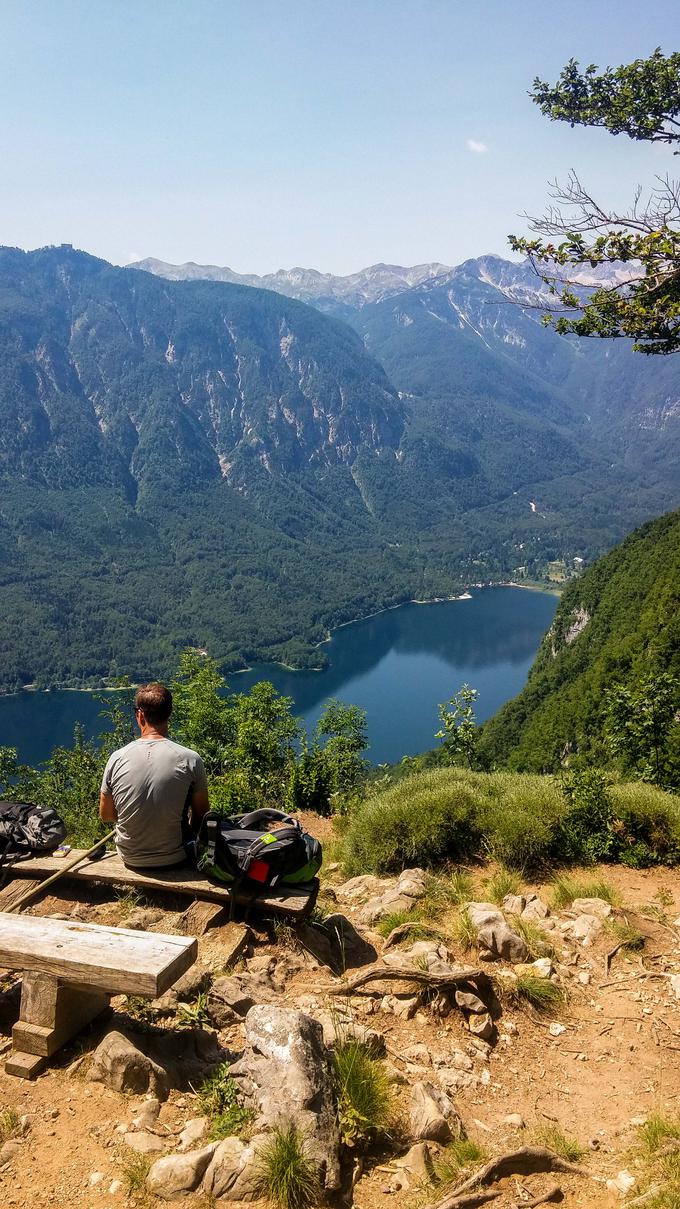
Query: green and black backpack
(257, 851)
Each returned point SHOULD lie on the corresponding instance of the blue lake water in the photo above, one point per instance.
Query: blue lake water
(397, 666)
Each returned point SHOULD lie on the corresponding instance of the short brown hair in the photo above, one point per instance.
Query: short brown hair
(155, 702)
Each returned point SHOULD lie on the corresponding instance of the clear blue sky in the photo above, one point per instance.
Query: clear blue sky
(263, 134)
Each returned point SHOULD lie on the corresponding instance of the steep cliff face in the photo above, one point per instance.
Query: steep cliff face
(119, 377)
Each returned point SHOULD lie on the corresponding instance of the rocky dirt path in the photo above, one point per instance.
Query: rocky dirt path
(594, 1067)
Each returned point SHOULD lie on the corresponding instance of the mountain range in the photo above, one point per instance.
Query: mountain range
(210, 463)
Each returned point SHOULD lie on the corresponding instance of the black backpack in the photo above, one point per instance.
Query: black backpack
(257, 851)
(25, 831)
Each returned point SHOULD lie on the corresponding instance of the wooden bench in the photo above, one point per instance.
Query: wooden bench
(292, 901)
(71, 970)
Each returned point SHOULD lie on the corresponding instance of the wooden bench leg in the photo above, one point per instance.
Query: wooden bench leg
(51, 1013)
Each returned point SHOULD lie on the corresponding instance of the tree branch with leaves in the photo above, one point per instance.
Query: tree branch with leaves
(642, 303)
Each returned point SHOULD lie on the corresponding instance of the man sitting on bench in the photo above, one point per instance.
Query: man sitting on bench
(151, 786)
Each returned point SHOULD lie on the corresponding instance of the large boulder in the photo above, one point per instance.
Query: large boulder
(495, 934)
(155, 1061)
(178, 1175)
(285, 1075)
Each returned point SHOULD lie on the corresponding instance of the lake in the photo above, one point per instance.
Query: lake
(398, 666)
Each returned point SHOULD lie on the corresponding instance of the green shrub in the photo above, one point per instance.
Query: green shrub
(585, 830)
(365, 1100)
(646, 823)
(518, 815)
(422, 820)
(284, 1172)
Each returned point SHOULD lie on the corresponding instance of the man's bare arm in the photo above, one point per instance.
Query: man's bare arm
(107, 810)
(199, 805)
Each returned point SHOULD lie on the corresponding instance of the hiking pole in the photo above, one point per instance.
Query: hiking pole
(82, 856)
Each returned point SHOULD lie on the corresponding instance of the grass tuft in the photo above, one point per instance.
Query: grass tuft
(134, 1173)
(365, 1099)
(536, 939)
(541, 993)
(285, 1174)
(626, 935)
(501, 883)
(455, 1158)
(656, 1131)
(566, 889)
(10, 1125)
(219, 1099)
(566, 1147)
(419, 930)
(464, 933)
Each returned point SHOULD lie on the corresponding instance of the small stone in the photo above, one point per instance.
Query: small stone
(535, 908)
(194, 1131)
(148, 1114)
(144, 1143)
(543, 967)
(115, 1187)
(584, 978)
(10, 1150)
(514, 904)
(481, 1026)
(556, 1029)
(470, 1002)
(94, 1178)
(179, 1174)
(674, 981)
(514, 1120)
(511, 1028)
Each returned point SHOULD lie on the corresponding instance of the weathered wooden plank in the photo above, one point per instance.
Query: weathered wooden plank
(25, 1066)
(296, 901)
(15, 890)
(117, 960)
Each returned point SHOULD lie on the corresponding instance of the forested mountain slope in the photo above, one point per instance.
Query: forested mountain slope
(618, 624)
(204, 463)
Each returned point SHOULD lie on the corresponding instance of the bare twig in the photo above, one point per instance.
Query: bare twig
(554, 1193)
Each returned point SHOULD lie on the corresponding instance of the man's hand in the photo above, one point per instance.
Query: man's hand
(107, 810)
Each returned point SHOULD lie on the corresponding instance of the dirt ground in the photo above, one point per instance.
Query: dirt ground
(615, 1062)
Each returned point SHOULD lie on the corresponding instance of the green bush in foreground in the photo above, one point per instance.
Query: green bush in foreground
(522, 821)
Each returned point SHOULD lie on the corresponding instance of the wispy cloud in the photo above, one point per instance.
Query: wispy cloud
(477, 147)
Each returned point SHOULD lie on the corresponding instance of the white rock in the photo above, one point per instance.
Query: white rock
(145, 1143)
(194, 1131)
(514, 1120)
(178, 1174)
(94, 1178)
(622, 1184)
(434, 1117)
(674, 981)
(592, 906)
(115, 1187)
(543, 966)
(556, 1029)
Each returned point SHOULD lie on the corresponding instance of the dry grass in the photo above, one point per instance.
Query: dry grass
(566, 889)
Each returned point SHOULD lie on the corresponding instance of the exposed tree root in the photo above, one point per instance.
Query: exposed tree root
(423, 978)
(528, 1160)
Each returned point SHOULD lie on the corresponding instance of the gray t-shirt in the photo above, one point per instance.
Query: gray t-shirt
(151, 782)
